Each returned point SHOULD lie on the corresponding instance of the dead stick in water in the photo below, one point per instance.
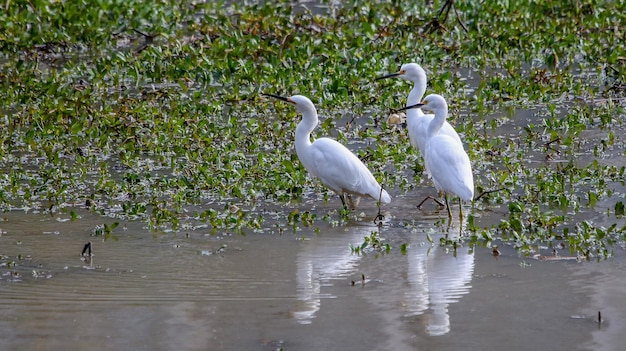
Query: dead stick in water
(486, 192)
(87, 248)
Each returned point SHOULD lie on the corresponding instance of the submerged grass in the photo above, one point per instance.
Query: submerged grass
(150, 111)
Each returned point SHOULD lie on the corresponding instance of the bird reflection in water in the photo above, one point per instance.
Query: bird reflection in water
(432, 280)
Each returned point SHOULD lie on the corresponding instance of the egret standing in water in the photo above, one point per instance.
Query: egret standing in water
(331, 162)
(445, 158)
(417, 122)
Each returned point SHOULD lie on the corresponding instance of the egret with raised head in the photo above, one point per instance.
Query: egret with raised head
(336, 166)
(445, 158)
(417, 122)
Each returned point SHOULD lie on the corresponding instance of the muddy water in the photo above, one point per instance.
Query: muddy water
(301, 291)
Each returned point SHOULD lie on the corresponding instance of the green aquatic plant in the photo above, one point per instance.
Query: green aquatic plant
(373, 243)
(106, 231)
(150, 112)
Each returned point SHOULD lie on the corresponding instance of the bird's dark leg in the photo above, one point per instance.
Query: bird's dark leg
(460, 217)
(379, 217)
(441, 204)
(445, 197)
(343, 201)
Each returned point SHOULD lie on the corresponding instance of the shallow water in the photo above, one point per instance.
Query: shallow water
(301, 291)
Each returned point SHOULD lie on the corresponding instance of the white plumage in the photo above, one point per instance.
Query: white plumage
(448, 163)
(335, 166)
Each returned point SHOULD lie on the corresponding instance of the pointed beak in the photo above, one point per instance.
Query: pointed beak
(410, 107)
(391, 75)
(286, 99)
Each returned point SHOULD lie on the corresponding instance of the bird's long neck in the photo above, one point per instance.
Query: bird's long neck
(303, 132)
(437, 122)
(416, 94)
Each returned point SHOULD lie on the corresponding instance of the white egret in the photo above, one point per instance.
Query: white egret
(417, 121)
(331, 162)
(445, 158)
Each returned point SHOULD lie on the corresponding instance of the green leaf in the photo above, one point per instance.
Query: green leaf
(619, 209)
(403, 248)
(593, 198)
(516, 207)
(77, 127)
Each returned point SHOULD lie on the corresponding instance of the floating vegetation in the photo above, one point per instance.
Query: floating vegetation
(373, 243)
(150, 111)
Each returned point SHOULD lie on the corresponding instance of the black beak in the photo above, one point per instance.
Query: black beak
(410, 107)
(277, 97)
(389, 75)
